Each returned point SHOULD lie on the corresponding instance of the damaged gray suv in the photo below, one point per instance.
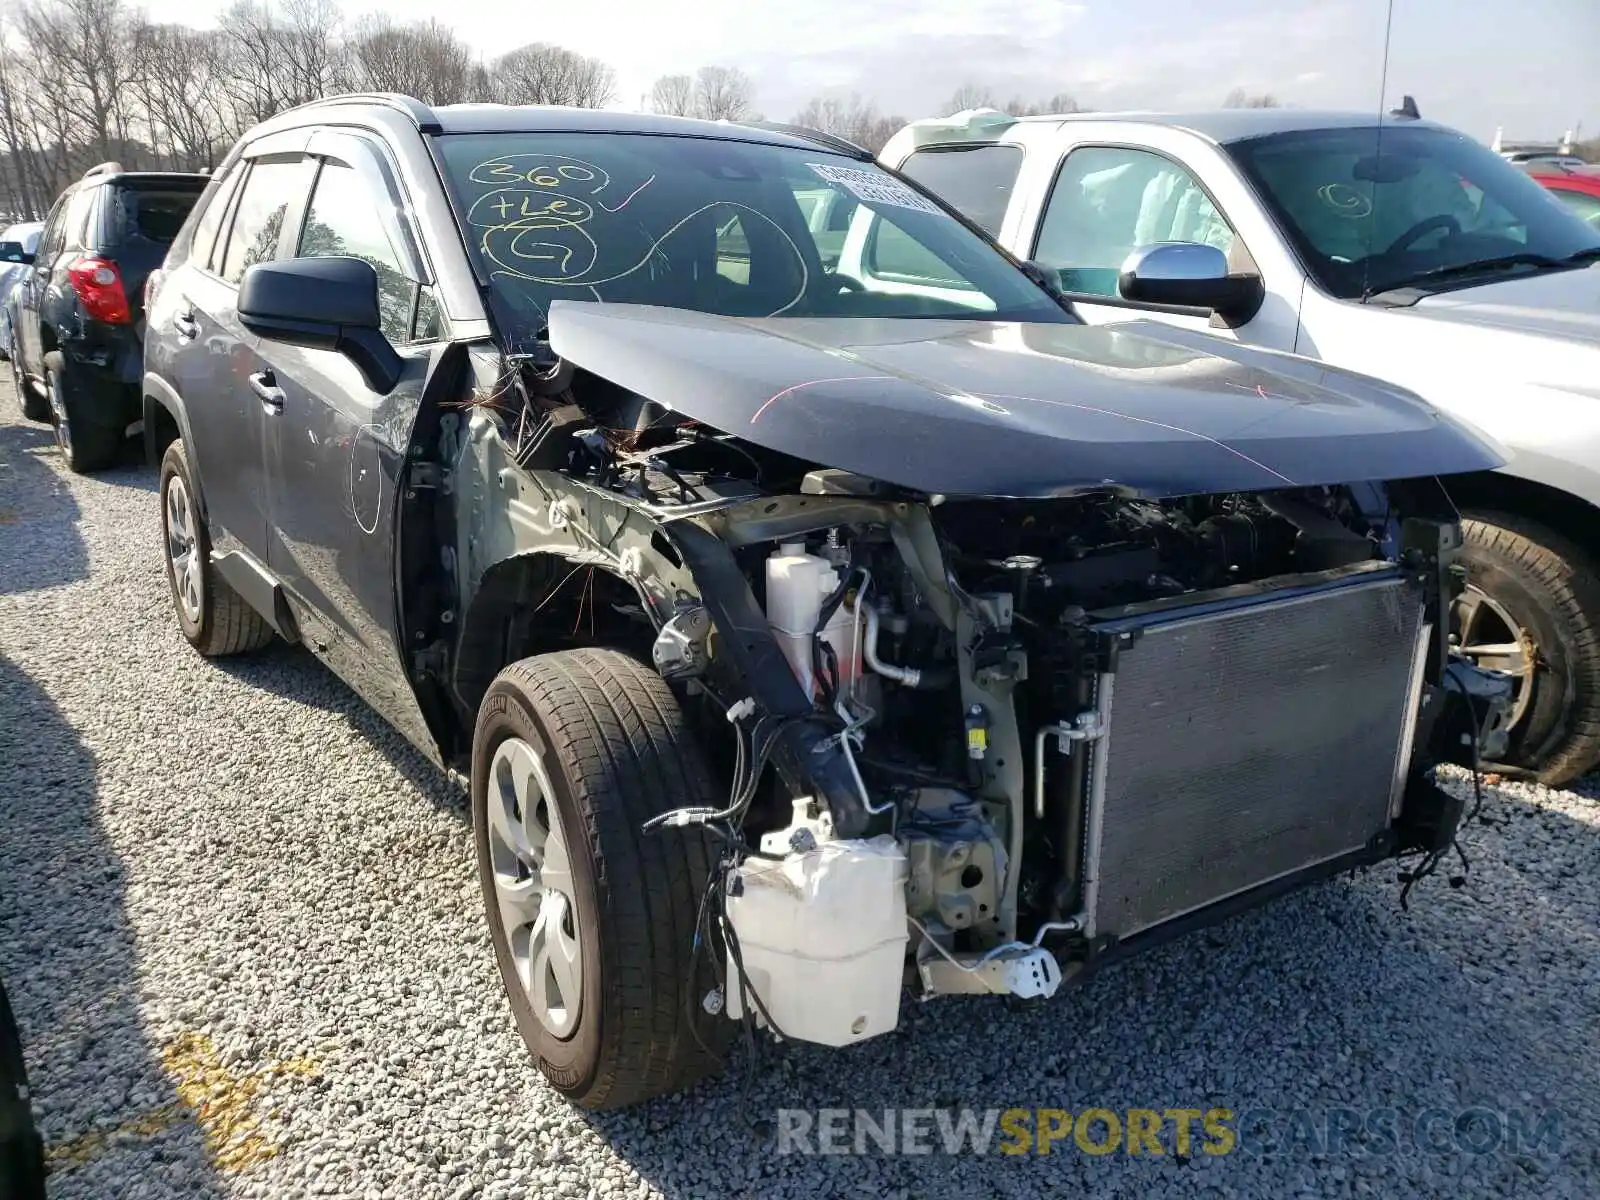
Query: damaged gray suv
(804, 635)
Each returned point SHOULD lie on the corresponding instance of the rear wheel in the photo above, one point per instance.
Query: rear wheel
(34, 406)
(213, 617)
(1532, 609)
(593, 921)
(88, 441)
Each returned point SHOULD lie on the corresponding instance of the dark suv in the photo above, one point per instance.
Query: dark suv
(77, 319)
(812, 605)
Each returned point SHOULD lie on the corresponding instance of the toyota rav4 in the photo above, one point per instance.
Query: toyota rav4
(800, 636)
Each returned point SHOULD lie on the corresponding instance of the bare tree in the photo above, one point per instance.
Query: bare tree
(540, 73)
(422, 59)
(83, 52)
(968, 96)
(180, 77)
(1061, 102)
(255, 64)
(84, 81)
(1239, 98)
(723, 94)
(673, 95)
(315, 62)
(278, 57)
(19, 196)
(850, 118)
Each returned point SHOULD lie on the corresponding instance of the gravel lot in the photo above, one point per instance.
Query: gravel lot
(240, 927)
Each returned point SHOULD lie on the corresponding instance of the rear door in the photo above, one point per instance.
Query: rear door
(215, 356)
(335, 448)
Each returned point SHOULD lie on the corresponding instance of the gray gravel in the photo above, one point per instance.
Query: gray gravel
(241, 930)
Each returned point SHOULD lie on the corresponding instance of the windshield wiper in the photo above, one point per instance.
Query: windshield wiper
(1483, 266)
(1501, 262)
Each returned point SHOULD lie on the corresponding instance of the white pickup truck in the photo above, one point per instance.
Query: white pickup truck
(1395, 247)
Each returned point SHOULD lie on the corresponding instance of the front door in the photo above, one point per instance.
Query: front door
(1108, 201)
(335, 449)
(216, 356)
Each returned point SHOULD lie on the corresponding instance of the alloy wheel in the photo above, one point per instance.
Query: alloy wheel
(528, 850)
(1488, 635)
(183, 555)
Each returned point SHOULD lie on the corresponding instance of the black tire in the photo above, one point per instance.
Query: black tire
(34, 406)
(618, 751)
(22, 1167)
(1549, 587)
(222, 622)
(90, 439)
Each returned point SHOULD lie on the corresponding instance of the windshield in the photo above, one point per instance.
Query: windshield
(717, 226)
(1423, 212)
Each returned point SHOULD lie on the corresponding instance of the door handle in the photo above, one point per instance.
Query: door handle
(264, 385)
(186, 325)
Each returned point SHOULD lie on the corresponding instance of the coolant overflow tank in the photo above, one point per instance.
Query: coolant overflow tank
(823, 937)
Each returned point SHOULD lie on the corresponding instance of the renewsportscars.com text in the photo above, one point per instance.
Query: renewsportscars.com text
(1179, 1132)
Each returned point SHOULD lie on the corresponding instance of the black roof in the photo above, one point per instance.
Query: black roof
(537, 118)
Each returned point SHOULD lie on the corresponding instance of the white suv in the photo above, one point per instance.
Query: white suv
(1398, 248)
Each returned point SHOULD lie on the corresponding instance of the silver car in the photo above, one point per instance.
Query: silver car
(15, 264)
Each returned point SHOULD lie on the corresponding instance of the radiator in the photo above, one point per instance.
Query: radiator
(1247, 739)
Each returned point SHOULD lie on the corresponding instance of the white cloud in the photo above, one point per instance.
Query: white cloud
(910, 55)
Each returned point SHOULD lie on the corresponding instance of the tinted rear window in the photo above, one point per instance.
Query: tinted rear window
(151, 214)
(976, 181)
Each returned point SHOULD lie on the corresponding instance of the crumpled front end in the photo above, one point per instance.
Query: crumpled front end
(988, 737)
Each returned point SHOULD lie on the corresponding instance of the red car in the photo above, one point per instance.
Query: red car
(1578, 186)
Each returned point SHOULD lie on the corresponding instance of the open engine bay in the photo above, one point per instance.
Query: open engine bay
(983, 744)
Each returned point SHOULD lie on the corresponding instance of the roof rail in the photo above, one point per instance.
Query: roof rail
(842, 145)
(105, 168)
(419, 112)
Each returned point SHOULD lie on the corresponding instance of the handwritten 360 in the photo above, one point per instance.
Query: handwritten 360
(536, 221)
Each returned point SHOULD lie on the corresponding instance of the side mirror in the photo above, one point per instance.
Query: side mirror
(1193, 276)
(323, 304)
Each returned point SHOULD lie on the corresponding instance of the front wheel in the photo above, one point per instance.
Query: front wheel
(592, 920)
(1532, 609)
(213, 617)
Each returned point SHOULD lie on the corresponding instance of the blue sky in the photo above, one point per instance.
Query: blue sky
(1532, 66)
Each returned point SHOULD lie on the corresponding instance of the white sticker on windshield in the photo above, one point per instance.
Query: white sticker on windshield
(874, 187)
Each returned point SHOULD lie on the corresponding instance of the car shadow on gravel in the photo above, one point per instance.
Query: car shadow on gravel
(1332, 999)
(108, 1112)
(40, 544)
(294, 673)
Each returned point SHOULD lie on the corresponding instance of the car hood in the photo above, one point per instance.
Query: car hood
(1564, 305)
(995, 408)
